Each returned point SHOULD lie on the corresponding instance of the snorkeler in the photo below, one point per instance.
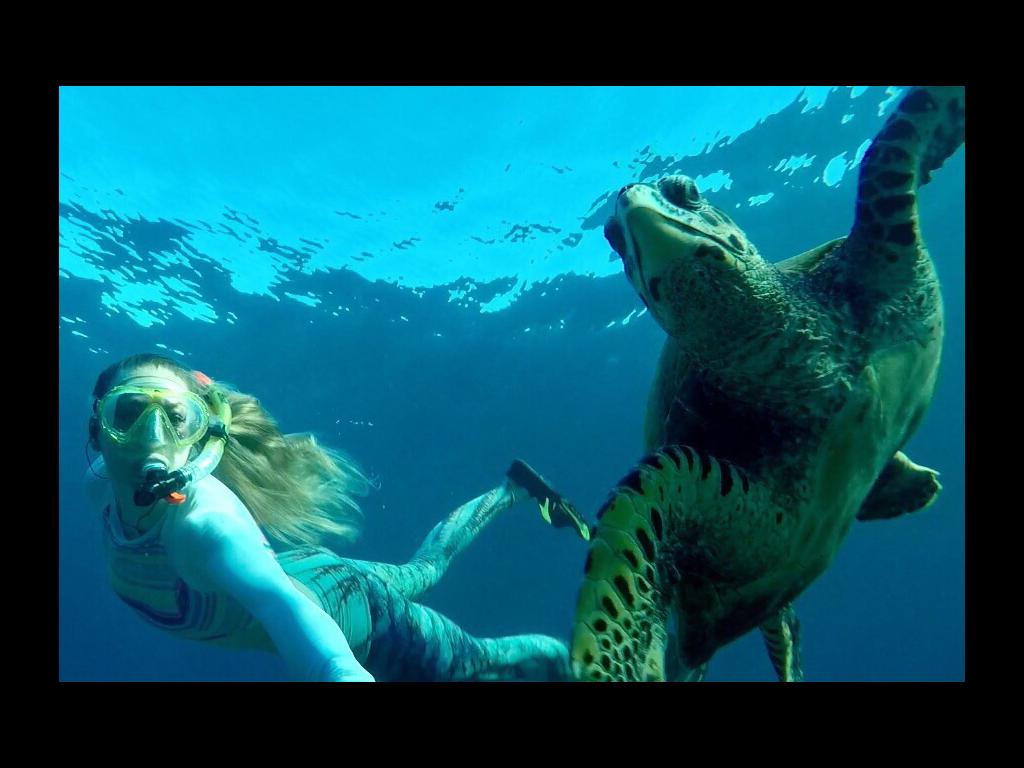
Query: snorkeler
(194, 476)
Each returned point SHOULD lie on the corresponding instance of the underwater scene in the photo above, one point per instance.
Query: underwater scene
(435, 282)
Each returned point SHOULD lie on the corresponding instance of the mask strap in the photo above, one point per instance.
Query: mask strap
(88, 462)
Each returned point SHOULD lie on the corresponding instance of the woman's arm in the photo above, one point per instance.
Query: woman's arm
(217, 545)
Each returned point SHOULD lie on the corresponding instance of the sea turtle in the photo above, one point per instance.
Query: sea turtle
(782, 398)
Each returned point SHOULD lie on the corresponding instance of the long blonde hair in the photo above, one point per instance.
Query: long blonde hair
(298, 491)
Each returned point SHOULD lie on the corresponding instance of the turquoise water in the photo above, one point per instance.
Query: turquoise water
(418, 275)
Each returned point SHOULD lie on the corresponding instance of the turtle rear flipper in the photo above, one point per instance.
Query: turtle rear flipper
(681, 524)
(782, 639)
(902, 487)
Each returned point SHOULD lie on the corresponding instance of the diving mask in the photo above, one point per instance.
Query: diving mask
(141, 415)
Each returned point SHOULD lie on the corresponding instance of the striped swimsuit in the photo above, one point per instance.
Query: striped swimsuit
(392, 636)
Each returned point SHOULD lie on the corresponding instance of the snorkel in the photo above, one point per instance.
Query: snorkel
(160, 483)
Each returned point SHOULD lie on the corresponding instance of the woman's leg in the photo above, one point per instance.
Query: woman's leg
(446, 540)
(410, 642)
(399, 640)
(453, 534)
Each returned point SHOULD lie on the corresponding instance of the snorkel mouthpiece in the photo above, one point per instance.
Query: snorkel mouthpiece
(161, 483)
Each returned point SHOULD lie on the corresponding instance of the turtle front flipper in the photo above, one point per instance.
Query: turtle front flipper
(885, 245)
(676, 670)
(678, 532)
(902, 487)
(782, 639)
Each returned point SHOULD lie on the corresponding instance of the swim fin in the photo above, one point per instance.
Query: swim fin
(557, 511)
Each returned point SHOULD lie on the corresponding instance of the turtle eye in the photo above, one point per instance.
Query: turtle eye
(680, 190)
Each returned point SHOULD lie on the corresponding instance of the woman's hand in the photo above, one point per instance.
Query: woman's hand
(346, 670)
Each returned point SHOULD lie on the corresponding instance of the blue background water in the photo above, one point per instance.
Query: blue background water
(419, 277)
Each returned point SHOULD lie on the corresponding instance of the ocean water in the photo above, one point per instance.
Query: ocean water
(419, 277)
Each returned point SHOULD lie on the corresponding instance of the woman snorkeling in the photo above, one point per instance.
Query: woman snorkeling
(192, 480)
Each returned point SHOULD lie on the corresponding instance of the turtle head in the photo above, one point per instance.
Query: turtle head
(685, 257)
